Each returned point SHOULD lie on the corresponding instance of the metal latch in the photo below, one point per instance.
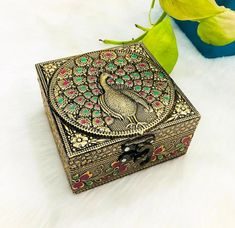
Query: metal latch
(139, 150)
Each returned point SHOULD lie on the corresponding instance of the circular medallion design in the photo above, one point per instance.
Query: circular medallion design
(119, 93)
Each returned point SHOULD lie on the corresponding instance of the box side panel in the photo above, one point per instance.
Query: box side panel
(55, 131)
(170, 142)
(97, 162)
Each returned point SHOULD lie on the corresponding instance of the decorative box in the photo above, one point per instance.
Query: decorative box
(114, 112)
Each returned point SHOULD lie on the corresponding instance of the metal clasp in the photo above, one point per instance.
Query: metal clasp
(139, 150)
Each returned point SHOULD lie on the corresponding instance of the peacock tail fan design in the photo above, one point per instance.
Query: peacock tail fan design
(111, 91)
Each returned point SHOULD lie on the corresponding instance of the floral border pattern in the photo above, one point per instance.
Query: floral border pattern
(117, 168)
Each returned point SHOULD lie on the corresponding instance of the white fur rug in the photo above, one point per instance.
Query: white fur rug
(196, 190)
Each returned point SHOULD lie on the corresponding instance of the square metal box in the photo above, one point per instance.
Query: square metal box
(114, 112)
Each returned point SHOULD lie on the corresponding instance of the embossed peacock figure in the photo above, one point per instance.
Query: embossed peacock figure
(130, 96)
(121, 102)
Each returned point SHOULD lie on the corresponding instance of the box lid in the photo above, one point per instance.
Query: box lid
(115, 92)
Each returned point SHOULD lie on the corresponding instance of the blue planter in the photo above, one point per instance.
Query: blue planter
(209, 51)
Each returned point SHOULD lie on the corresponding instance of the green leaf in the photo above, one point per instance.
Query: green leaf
(109, 170)
(191, 9)
(218, 30)
(180, 146)
(89, 182)
(115, 172)
(161, 42)
(75, 177)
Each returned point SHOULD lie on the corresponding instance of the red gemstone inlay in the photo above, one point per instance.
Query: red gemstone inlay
(96, 91)
(89, 104)
(80, 100)
(148, 82)
(158, 150)
(120, 71)
(83, 121)
(129, 83)
(71, 92)
(91, 78)
(78, 185)
(63, 71)
(84, 177)
(138, 82)
(92, 69)
(150, 98)
(157, 103)
(93, 85)
(141, 93)
(97, 106)
(110, 81)
(66, 82)
(114, 76)
(108, 54)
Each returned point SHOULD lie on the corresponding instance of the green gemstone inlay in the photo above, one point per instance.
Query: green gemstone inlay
(60, 100)
(79, 70)
(94, 99)
(88, 94)
(85, 111)
(82, 88)
(166, 97)
(134, 56)
(126, 77)
(137, 88)
(96, 113)
(146, 89)
(78, 79)
(111, 66)
(155, 93)
(75, 177)
(148, 74)
(161, 75)
(72, 107)
(135, 75)
(88, 182)
(119, 81)
(83, 59)
(120, 60)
